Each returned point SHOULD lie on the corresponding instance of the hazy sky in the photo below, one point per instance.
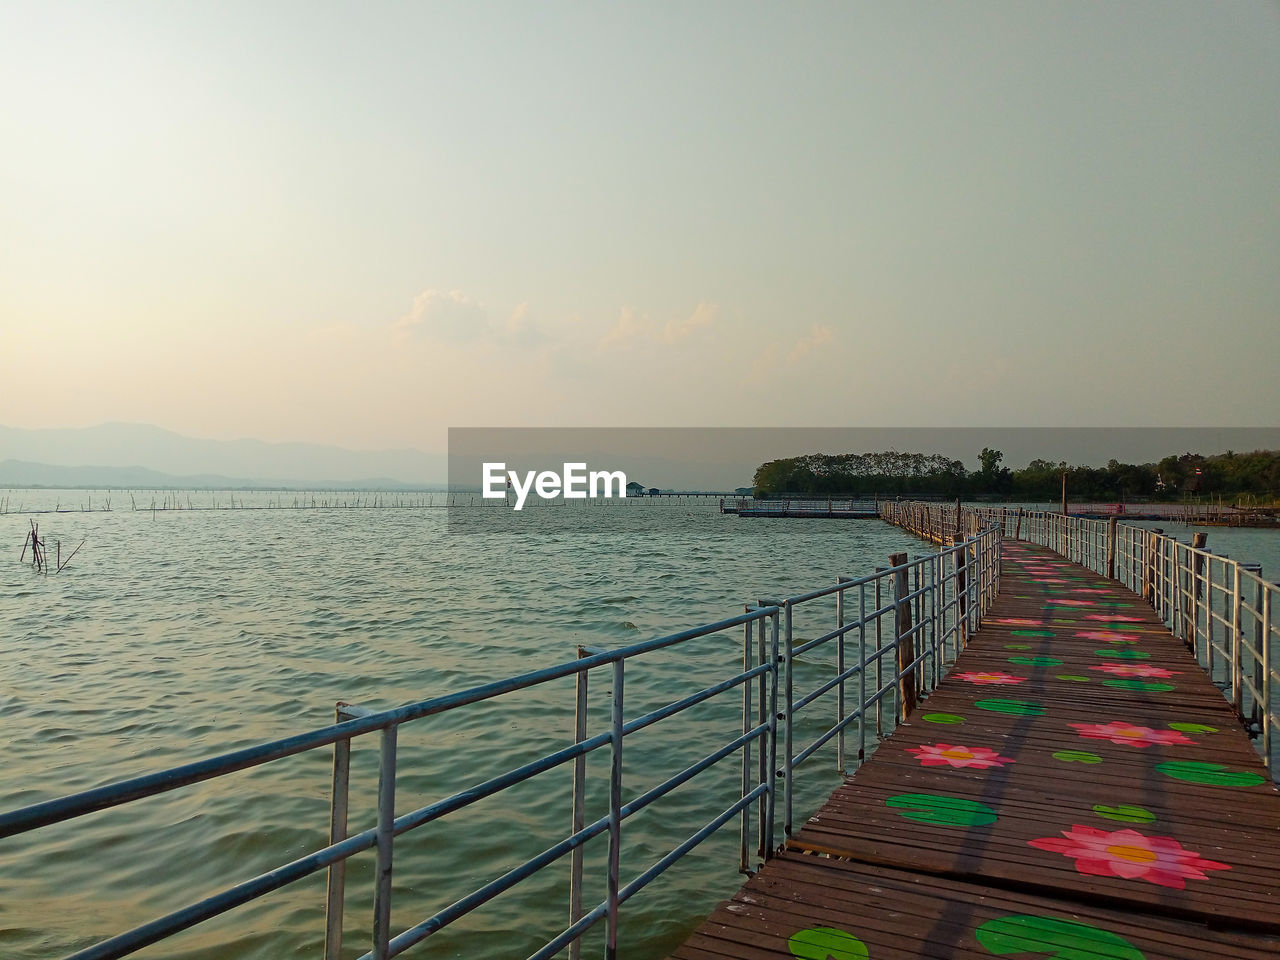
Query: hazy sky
(361, 223)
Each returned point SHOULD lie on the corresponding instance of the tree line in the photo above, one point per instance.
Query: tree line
(1228, 475)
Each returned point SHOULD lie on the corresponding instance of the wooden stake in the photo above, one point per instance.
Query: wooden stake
(904, 640)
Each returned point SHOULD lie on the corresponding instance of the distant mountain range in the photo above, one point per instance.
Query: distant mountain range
(122, 455)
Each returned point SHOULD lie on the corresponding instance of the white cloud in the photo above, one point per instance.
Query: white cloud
(445, 315)
(819, 335)
(638, 327)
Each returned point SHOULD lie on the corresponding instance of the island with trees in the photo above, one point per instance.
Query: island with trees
(1230, 477)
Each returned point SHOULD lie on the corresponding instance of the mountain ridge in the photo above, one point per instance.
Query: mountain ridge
(180, 460)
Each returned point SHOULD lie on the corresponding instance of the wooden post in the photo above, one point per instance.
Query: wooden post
(1064, 493)
(962, 588)
(1017, 527)
(958, 530)
(1198, 541)
(903, 639)
(1112, 525)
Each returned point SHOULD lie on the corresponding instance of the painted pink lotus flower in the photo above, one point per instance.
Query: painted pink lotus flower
(1073, 603)
(1106, 636)
(1135, 670)
(1113, 617)
(1016, 621)
(989, 677)
(1127, 733)
(1046, 580)
(1130, 855)
(945, 754)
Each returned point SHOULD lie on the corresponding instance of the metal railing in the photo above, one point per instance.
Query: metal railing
(910, 620)
(921, 622)
(1223, 609)
(797, 504)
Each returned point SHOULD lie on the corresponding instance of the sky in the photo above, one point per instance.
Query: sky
(360, 224)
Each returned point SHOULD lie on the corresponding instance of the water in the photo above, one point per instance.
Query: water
(177, 635)
(1249, 545)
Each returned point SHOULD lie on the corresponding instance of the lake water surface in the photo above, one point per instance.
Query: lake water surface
(178, 635)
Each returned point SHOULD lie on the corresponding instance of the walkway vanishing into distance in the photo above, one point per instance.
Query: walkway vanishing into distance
(1076, 788)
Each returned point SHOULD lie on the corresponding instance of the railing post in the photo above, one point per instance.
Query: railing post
(789, 725)
(1261, 639)
(1210, 653)
(917, 615)
(1148, 567)
(1017, 526)
(1198, 541)
(745, 825)
(1237, 644)
(337, 879)
(1112, 525)
(1256, 653)
(962, 592)
(840, 673)
(984, 585)
(902, 640)
(615, 813)
(385, 840)
(1267, 683)
(936, 639)
(862, 671)
(773, 737)
(879, 602)
(579, 811)
(764, 710)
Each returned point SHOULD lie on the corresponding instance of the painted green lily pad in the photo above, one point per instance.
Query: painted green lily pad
(1032, 633)
(1074, 677)
(1193, 727)
(1021, 708)
(1125, 813)
(1210, 774)
(1036, 661)
(942, 810)
(1017, 646)
(1053, 938)
(1146, 686)
(1123, 654)
(1077, 756)
(827, 943)
(942, 718)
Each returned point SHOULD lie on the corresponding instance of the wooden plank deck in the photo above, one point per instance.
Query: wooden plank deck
(1075, 788)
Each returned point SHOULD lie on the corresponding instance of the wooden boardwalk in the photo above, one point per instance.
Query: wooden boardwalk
(1076, 788)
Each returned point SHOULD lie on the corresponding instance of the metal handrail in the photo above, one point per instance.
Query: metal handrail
(381, 837)
(953, 589)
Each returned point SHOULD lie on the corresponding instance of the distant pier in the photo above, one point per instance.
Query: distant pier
(830, 509)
